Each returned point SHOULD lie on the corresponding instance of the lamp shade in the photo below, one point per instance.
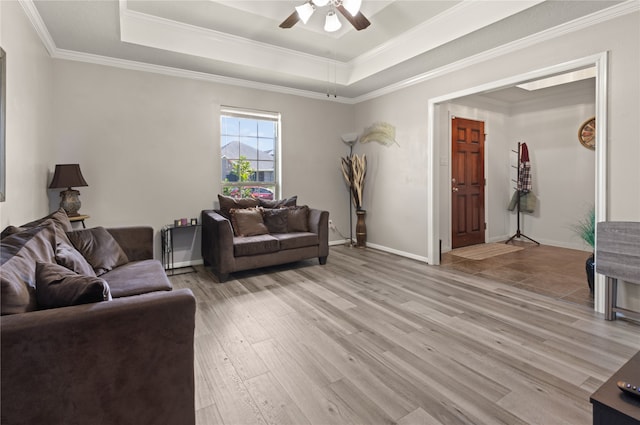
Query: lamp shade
(332, 23)
(67, 175)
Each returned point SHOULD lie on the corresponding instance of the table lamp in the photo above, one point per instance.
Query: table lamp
(68, 175)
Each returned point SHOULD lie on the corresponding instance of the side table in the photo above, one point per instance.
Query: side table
(166, 238)
(81, 218)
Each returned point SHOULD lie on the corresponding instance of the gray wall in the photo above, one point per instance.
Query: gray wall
(149, 148)
(29, 112)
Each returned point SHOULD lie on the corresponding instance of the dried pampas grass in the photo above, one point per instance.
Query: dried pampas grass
(354, 170)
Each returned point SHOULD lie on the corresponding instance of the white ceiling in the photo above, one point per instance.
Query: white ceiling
(239, 41)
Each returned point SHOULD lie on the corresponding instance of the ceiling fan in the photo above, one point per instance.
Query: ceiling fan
(350, 9)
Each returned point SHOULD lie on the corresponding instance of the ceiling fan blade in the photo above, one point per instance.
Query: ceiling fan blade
(359, 21)
(291, 20)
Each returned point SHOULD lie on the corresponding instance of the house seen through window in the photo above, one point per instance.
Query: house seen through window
(248, 152)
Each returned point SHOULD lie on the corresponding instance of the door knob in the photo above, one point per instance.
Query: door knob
(454, 189)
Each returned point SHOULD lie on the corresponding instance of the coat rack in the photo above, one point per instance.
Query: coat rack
(518, 233)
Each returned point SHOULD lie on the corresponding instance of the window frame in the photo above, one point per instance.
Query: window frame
(236, 112)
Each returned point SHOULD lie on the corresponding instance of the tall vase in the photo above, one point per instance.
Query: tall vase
(361, 229)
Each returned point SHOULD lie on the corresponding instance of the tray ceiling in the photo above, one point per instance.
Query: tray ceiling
(240, 42)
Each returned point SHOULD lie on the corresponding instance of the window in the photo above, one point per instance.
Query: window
(249, 153)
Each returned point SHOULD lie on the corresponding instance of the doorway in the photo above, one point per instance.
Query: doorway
(467, 182)
(600, 62)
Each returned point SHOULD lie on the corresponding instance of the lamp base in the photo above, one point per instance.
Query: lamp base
(70, 201)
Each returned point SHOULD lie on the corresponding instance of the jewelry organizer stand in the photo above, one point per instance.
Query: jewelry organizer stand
(518, 233)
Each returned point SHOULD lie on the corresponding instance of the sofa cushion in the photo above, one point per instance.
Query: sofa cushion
(137, 277)
(248, 222)
(276, 220)
(69, 257)
(296, 240)
(57, 286)
(18, 256)
(254, 245)
(298, 219)
(99, 248)
(279, 203)
(227, 203)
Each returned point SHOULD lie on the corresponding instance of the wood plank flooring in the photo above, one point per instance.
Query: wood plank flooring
(373, 338)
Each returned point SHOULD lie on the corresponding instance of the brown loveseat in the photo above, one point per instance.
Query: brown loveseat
(289, 233)
(68, 358)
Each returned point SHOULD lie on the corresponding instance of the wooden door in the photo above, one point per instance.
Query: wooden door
(467, 182)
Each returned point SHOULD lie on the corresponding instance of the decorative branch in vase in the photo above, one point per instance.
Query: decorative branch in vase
(354, 170)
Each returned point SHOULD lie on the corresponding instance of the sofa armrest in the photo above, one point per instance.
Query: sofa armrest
(319, 224)
(126, 361)
(217, 242)
(136, 242)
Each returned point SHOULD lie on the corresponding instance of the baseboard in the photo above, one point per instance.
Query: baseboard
(339, 242)
(398, 252)
(189, 263)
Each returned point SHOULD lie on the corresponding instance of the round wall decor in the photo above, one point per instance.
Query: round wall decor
(587, 134)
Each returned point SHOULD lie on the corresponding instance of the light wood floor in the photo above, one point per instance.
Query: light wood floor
(372, 338)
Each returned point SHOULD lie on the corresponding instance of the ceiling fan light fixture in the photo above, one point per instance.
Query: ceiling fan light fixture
(332, 23)
(352, 6)
(321, 3)
(305, 11)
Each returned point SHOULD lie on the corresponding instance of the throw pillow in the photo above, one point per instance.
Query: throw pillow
(276, 220)
(298, 219)
(248, 222)
(280, 203)
(57, 286)
(227, 203)
(69, 257)
(99, 248)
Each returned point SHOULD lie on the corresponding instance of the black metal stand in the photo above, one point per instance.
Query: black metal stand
(518, 233)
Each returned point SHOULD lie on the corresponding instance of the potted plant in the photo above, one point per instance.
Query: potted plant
(586, 230)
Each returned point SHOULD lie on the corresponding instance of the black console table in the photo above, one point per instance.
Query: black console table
(166, 237)
(614, 407)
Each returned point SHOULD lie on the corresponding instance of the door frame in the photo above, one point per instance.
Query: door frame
(434, 186)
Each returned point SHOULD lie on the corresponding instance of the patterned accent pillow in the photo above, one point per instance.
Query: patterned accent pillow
(248, 222)
(276, 220)
(298, 219)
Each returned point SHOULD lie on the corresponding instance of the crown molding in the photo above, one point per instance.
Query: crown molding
(621, 9)
(193, 75)
(458, 21)
(38, 24)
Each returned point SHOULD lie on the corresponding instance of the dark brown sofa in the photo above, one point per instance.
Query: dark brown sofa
(226, 252)
(127, 360)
